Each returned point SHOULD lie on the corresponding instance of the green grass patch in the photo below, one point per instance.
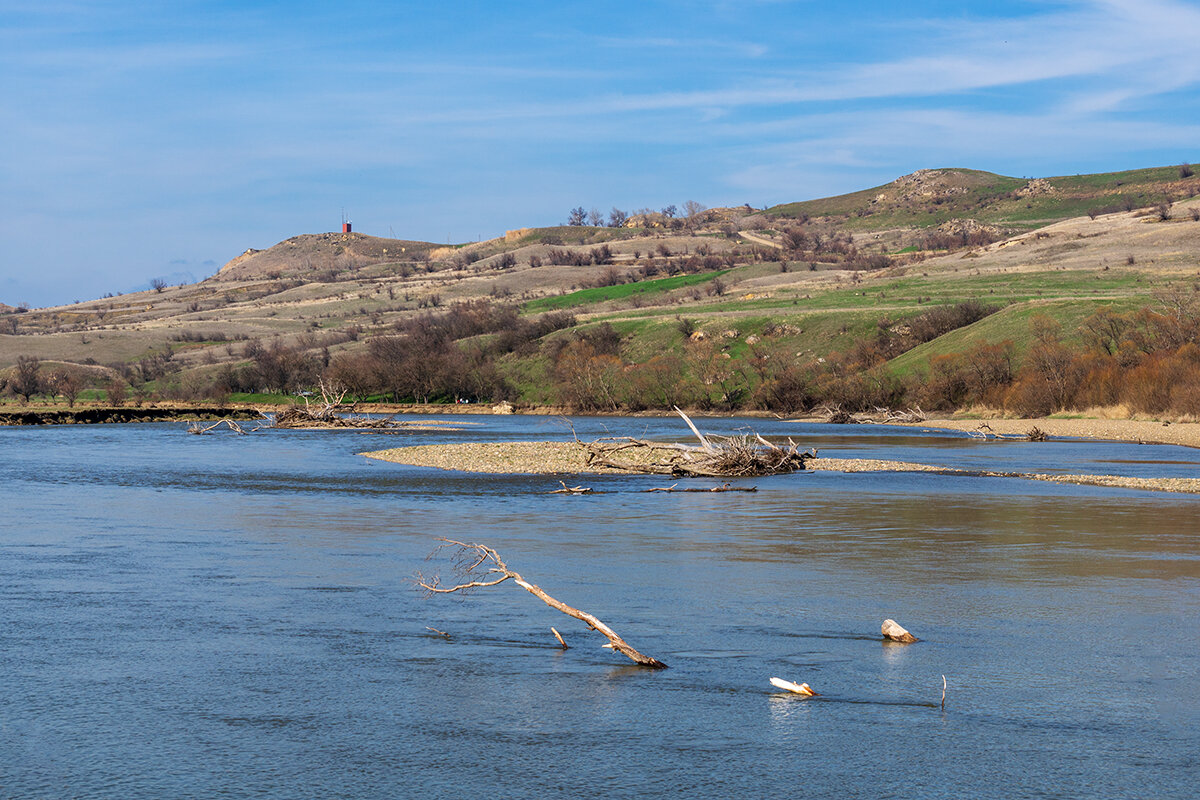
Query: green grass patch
(1014, 324)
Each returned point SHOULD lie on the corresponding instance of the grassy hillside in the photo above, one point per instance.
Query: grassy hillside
(932, 197)
(718, 299)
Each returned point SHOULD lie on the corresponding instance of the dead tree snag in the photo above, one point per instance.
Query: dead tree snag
(478, 566)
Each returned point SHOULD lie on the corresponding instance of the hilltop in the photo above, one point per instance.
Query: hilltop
(934, 196)
(893, 278)
(315, 255)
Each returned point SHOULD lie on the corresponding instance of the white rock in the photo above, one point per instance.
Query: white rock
(893, 631)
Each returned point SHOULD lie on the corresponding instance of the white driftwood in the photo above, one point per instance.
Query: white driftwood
(893, 632)
(708, 448)
(717, 456)
(802, 689)
(472, 565)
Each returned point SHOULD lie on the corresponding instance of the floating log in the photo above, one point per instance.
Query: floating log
(802, 689)
(894, 633)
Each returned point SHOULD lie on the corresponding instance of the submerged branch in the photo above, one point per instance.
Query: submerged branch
(474, 563)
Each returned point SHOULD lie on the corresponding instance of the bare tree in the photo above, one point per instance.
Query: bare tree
(67, 383)
(478, 566)
(617, 218)
(158, 284)
(26, 381)
(692, 209)
(595, 217)
(670, 211)
(116, 391)
(577, 216)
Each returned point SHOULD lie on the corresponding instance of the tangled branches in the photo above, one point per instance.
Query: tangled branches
(325, 414)
(837, 415)
(740, 456)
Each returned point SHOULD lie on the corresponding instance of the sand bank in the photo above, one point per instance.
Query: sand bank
(559, 458)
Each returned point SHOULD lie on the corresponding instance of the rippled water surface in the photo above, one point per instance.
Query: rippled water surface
(187, 616)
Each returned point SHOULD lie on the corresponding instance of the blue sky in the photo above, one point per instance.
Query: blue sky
(161, 139)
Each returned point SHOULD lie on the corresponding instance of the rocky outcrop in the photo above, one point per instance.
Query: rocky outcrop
(1036, 188)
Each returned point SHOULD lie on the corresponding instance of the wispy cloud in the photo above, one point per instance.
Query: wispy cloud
(1140, 49)
(224, 124)
(706, 45)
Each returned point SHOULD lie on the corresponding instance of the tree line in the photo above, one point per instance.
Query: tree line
(668, 216)
(1146, 359)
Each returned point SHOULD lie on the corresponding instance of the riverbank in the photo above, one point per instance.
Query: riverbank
(1185, 434)
(94, 415)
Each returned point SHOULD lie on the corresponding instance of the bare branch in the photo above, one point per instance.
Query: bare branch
(470, 559)
(708, 448)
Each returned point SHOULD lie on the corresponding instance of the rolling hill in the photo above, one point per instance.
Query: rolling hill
(813, 279)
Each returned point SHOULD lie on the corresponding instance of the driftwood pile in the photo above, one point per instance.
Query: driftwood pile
(199, 428)
(837, 415)
(741, 456)
(327, 413)
(985, 432)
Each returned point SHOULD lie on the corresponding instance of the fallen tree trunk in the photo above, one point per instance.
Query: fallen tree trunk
(472, 565)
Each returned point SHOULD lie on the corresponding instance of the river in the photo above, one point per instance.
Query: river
(234, 616)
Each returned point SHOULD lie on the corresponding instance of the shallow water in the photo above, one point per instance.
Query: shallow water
(189, 616)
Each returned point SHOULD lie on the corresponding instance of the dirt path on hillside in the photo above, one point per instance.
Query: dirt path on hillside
(756, 239)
